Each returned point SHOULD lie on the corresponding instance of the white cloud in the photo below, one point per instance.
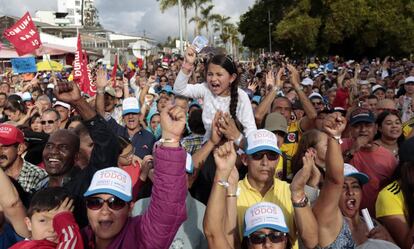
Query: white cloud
(133, 16)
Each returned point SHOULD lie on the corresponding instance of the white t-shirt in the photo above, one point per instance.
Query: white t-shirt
(213, 103)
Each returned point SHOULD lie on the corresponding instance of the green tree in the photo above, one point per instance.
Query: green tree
(197, 18)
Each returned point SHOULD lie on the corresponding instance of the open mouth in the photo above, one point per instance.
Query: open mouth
(105, 224)
(351, 204)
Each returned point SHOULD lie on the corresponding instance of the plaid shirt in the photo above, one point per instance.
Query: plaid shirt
(30, 176)
(192, 143)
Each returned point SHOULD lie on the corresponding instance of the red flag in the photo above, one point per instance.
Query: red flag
(113, 74)
(77, 64)
(88, 84)
(23, 35)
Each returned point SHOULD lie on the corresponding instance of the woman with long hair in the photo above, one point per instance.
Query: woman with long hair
(390, 132)
(395, 202)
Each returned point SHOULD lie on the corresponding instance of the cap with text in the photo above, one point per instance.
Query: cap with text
(114, 181)
(261, 140)
(264, 215)
(9, 135)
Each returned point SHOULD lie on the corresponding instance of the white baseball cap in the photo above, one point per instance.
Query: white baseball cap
(63, 104)
(351, 171)
(409, 79)
(307, 82)
(264, 215)
(114, 181)
(315, 95)
(130, 105)
(260, 140)
(377, 87)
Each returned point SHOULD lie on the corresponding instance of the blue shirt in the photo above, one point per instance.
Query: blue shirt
(143, 140)
(8, 237)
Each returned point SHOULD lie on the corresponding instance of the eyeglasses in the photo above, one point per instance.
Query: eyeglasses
(96, 203)
(43, 122)
(272, 156)
(260, 238)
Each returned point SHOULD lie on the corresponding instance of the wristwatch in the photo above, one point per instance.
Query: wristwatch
(338, 138)
(302, 203)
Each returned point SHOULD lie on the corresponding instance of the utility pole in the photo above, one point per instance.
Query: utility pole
(180, 28)
(270, 31)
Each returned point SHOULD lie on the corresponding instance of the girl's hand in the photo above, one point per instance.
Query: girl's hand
(190, 55)
(227, 126)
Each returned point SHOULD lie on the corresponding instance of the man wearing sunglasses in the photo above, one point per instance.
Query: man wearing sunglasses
(108, 198)
(261, 158)
(50, 121)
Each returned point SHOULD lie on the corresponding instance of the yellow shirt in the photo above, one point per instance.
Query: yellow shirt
(279, 195)
(390, 201)
(291, 143)
(407, 127)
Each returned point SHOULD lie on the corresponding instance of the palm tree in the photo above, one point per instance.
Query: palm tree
(220, 21)
(186, 4)
(196, 18)
(206, 17)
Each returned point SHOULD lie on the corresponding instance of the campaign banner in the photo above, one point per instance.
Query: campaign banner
(23, 35)
(88, 85)
(77, 63)
(24, 65)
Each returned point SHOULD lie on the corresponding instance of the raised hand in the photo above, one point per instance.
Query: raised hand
(65, 206)
(279, 74)
(294, 75)
(252, 86)
(190, 55)
(67, 92)
(225, 158)
(173, 119)
(270, 80)
(334, 124)
(101, 80)
(297, 187)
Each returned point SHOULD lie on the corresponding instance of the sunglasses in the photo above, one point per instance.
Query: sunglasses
(260, 238)
(43, 122)
(272, 156)
(96, 203)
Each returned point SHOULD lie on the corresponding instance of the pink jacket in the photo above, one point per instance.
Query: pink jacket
(157, 227)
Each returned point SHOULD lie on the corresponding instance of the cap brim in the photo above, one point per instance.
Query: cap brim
(118, 194)
(8, 141)
(361, 177)
(262, 148)
(272, 226)
(134, 111)
(362, 119)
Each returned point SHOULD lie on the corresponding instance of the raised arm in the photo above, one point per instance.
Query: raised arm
(167, 209)
(201, 155)
(308, 121)
(101, 83)
(326, 208)
(12, 206)
(181, 85)
(272, 87)
(304, 218)
(216, 212)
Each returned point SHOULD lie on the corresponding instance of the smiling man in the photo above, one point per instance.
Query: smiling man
(368, 157)
(12, 147)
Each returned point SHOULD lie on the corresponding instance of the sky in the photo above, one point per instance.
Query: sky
(133, 16)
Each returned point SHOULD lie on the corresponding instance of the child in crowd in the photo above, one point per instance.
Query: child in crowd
(51, 221)
(219, 93)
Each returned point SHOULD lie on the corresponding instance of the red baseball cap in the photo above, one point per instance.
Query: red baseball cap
(9, 134)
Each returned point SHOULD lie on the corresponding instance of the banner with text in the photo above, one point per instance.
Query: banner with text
(23, 35)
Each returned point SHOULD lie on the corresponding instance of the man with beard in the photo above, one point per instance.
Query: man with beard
(62, 149)
(12, 147)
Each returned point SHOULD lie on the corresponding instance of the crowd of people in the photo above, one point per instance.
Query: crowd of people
(203, 151)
